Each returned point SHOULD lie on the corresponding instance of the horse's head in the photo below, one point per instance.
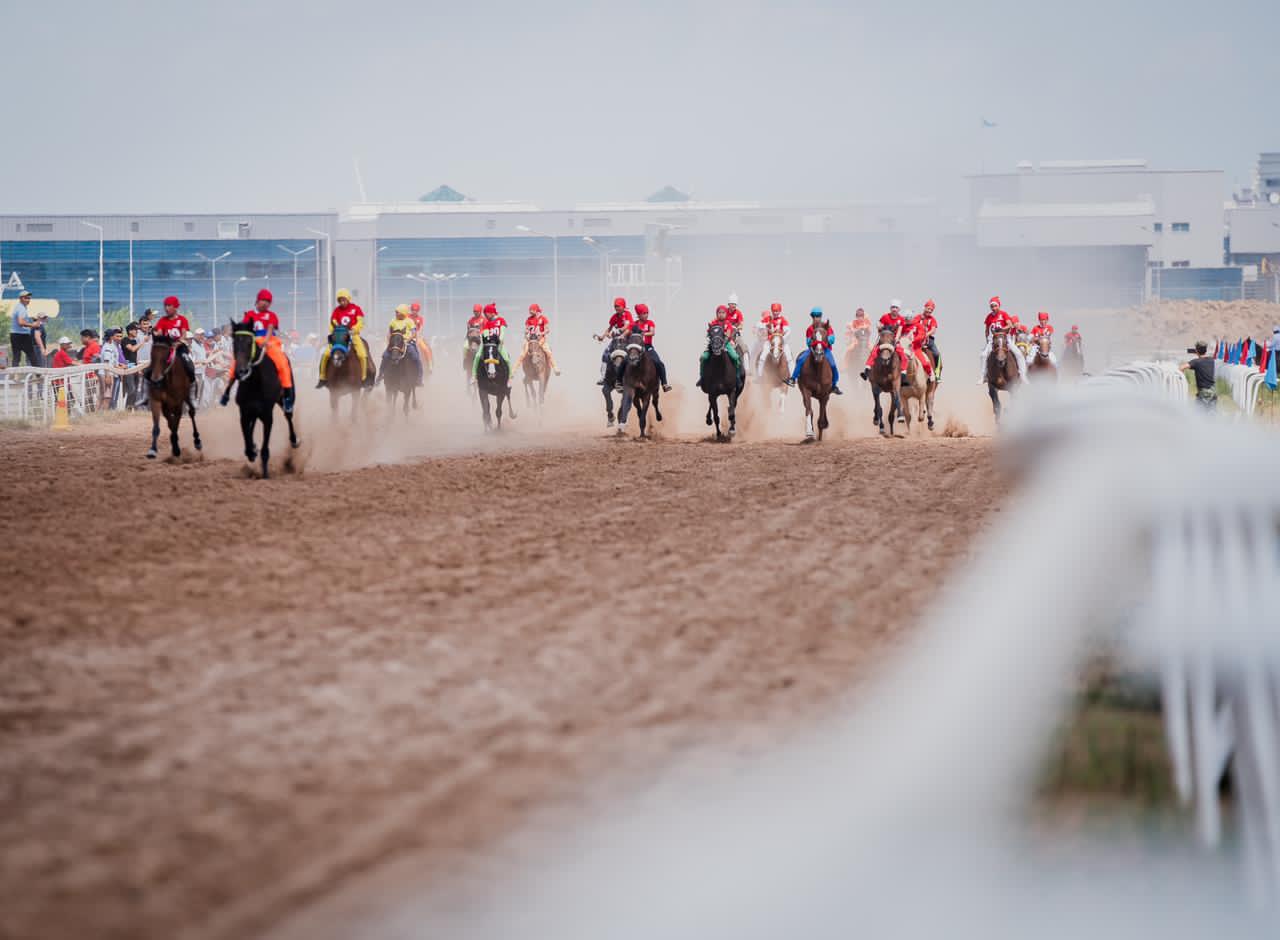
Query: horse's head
(1044, 346)
(244, 349)
(717, 339)
(635, 348)
(489, 354)
(775, 344)
(396, 347)
(473, 337)
(885, 346)
(531, 335)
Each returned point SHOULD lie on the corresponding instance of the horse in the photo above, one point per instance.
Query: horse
(720, 377)
(398, 375)
(815, 382)
(469, 352)
(1072, 360)
(886, 377)
(1002, 370)
(170, 391)
(537, 370)
(613, 366)
(640, 385)
(920, 388)
(492, 380)
(1040, 365)
(344, 371)
(258, 394)
(774, 370)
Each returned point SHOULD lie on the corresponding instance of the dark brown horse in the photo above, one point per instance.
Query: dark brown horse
(344, 371)
(640, 386)
(886, 377)
(492, 380)
(1040, 364)
(815, 382)
(399, 374)
(1002, 370)
(170, 393)
(720, 377)
(536, 371)
(257, 396)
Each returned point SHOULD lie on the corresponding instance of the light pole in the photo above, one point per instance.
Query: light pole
(295, 277)
(328, 263)
(604, 267)
(555, 264)
(213, 276)
(450, 278)
(235, 297)
(373, 276)
(424, 280)
(100, 234)
(87, 280)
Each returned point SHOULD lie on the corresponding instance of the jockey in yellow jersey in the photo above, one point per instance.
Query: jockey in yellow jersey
(350, 316)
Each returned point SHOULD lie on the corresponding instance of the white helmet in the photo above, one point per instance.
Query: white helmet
(733, 299)
(908, 314)
(895, 303)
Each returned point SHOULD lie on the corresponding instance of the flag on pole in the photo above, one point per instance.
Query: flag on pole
(1271, 371)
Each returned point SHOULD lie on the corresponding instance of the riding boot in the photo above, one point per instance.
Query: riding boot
(286, 400)
(322, 383)
(835, 390)
(866, 375)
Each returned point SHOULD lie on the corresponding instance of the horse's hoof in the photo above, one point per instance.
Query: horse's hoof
(709, 422)
(151, 455)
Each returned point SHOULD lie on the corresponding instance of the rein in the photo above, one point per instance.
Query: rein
(259, 352)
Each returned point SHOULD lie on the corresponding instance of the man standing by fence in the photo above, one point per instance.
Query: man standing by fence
(1203, 366)
(22, 324)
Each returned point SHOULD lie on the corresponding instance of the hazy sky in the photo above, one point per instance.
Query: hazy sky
(154, 106)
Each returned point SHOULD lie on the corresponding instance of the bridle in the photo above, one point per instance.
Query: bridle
(258, 354)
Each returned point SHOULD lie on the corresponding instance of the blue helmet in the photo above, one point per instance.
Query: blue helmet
(815, 312)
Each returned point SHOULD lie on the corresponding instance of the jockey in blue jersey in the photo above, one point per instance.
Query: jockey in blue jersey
(823, 345)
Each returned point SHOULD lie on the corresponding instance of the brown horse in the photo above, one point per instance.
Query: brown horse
(344, 371)
(1002, 370)
(469, 356)
(536, 369)
(1040, 364)
(170, 393)
(920, 389)
(774, 371)
(886, 377)
(815, 382)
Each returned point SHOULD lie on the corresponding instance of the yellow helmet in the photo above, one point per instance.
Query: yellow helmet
(344, 294)
(403, 309)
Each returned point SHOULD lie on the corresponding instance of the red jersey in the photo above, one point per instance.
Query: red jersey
(778, 324)
(893, 321)
(1073, 338)
(477, 322)
(1045, 329)
(930, 323)
(915, 331)
(262, 321)
(621, 320)
(824, 346)
(91, 349)
(645, 328)
(494, 323)
(734, 318)
(997, 321)
(171, 327)
(537, 323)
(724, 324)
(62, 359)
(346, 316)
(417, 321)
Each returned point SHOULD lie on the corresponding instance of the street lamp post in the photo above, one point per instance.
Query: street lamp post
(328, 263)
(450, 278)
(86, 281)
(555, 264)
(373, 276)
(604, 266)
(235, 297)
(100, 236)
(424, 280)
(295, 277)
(213, 276)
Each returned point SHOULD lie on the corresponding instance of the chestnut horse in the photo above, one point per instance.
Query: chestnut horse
(1002, 370)
(170, 388)
(886, 377)
(640, 386)
(1040, 364)
(815, 382)
(536, 369)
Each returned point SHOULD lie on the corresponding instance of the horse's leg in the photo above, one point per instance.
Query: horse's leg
(933, 390)
(733, 412)
(713, 410)
(624, 411)
(266, 441)
(195, 431)
(174, 415)
(484, 406)
(155, 431)
(657, 412)
(808, 413)
(641, 408)
(823, 424)
(607, 391)
(895, 409)
(877, 416)
(246, 428)
(995, 401)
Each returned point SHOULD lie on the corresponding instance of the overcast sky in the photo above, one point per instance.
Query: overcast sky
(231, 105)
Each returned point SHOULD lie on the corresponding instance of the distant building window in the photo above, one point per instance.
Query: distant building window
(1155, 264)
(491, 224)
(597, 222)
(188, 226)
(134, 227)
(1182, 226)
(39, 226)
(1159, 226)
(1181, 264)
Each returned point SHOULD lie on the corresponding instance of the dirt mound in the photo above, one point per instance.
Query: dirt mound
(223, 698)
(1177, 324)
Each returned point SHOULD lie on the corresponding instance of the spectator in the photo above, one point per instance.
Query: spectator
(129, 346)
(147, 321)
(1203, 367)
(63, 358)
(22, 323)
(142, 386)
(89, 346)
(111, 357)
(41, 340)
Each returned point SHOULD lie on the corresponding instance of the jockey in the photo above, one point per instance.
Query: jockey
(813, 344)
(777, 324)
(722, 320)
(858, 330)
(930, 343)
(645, 327)
(415, 314)
(998, 321)
(734, 314)
(494, 324)
(266, 326)
(477, 319)
(172, 327)
(760, 334)
(1073, 338)
(352, 317)
(1044, 328)
(621, 320)
(538, 325)
(403, 324)
(917, 332)
(893, 320)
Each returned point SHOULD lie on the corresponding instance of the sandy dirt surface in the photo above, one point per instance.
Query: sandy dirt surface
(222, 699)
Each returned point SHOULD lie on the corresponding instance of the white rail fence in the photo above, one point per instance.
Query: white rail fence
(29, 394)
(1246, 384)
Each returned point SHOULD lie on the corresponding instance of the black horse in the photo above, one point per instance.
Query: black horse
(258, 394)
(640, 385)
(614, 365)
(720, 377)
(493, 379)
(399, 374)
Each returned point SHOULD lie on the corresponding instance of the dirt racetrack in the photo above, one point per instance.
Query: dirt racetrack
(223, 699)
